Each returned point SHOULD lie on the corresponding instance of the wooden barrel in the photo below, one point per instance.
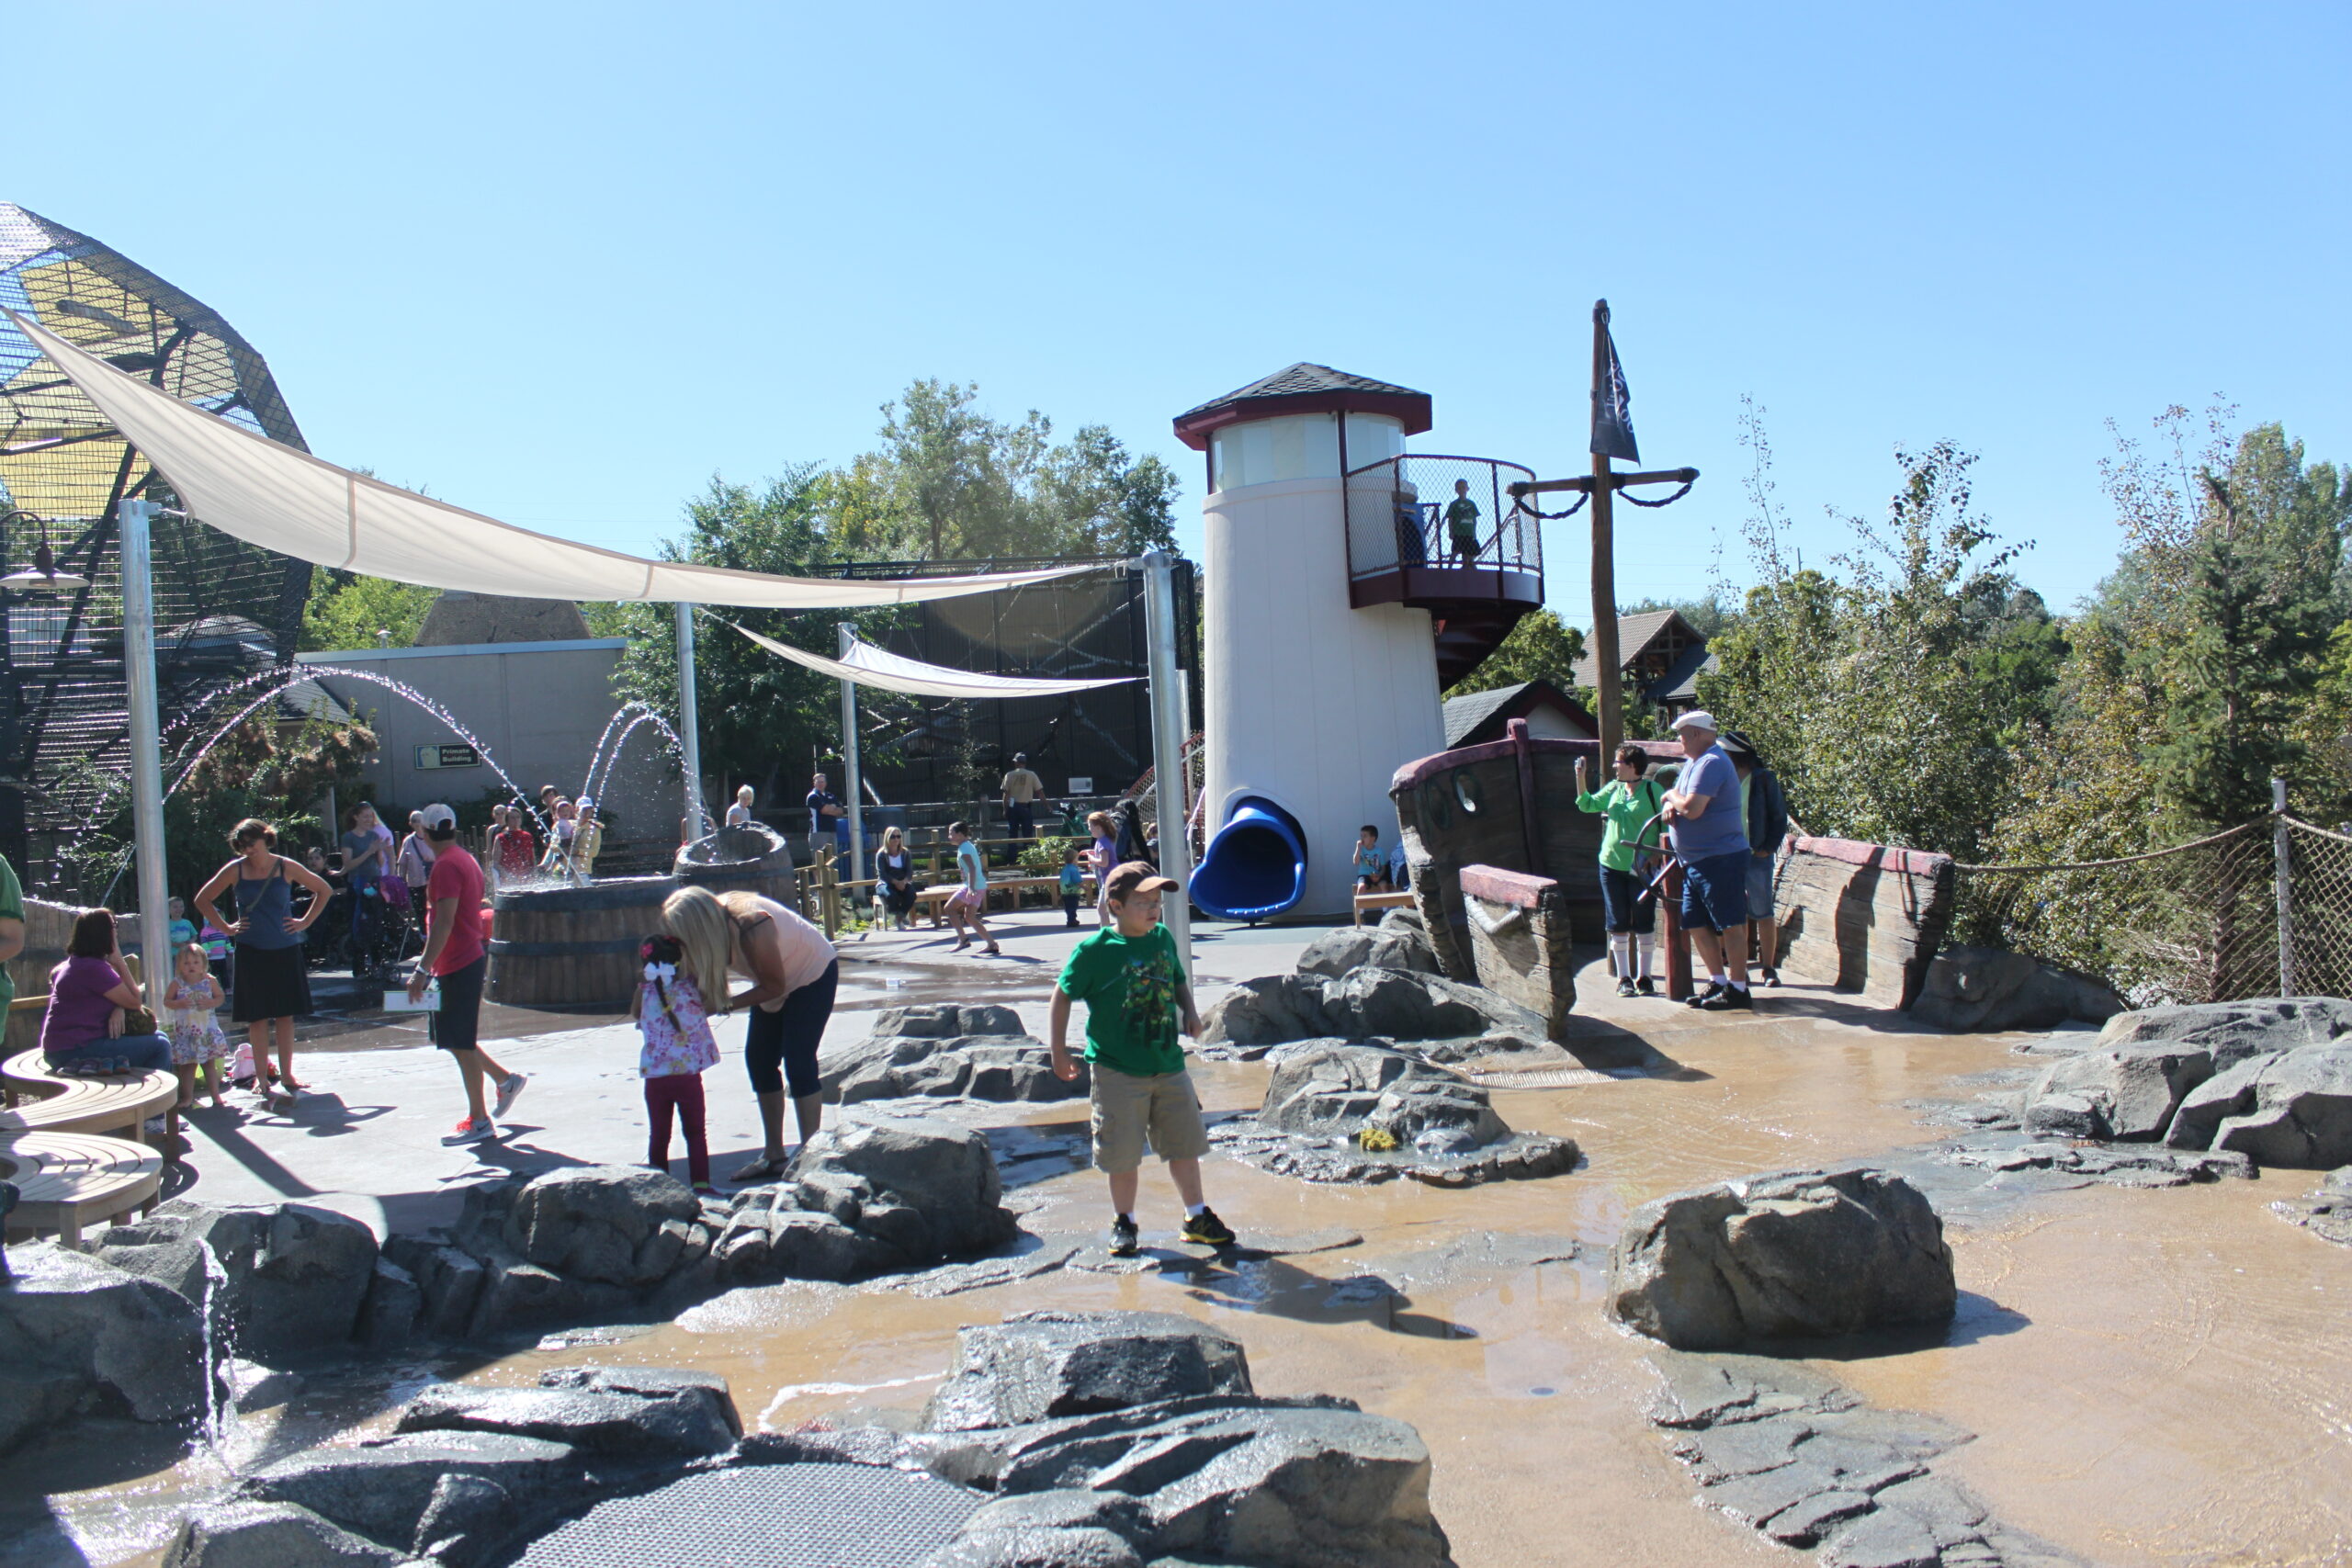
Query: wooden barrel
(564, 947)
(756, 858)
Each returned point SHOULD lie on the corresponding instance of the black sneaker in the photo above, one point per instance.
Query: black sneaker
(1771, 977)
(1700, 998)
(1124, 1237)
(1731, 998)
(1645, 987)
(1204, 1229)
(1626, 988)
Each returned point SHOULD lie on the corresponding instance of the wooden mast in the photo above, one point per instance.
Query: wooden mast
(1608, 679)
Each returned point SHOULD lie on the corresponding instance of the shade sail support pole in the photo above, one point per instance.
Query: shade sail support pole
(136, 521)
(1168, 749)
(850, 761)
(689, 725)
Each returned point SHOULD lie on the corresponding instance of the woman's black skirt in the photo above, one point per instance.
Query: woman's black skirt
(271, 983)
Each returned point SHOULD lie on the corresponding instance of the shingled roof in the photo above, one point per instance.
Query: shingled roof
(1304, 388)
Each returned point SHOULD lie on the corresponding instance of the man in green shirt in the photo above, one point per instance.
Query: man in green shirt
(1135, 998)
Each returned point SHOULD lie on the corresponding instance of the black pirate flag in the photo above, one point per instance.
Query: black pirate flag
(1613, 419)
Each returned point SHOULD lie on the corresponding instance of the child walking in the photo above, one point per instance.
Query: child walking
(1136, 1000)
(1073, 884)
(677, 1048)
(199, 1043)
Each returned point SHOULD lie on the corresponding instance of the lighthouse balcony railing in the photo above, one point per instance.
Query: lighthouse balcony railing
(1442, 526)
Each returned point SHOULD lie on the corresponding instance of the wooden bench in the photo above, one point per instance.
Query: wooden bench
(1381, 901)
(40, 1101)
(66, 1180)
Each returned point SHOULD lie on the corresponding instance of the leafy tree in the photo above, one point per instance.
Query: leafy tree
(1858, 687)
(346, 610)
(1541, 647)
(1707, 616)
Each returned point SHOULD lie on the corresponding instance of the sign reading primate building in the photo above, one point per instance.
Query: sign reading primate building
(452, 756)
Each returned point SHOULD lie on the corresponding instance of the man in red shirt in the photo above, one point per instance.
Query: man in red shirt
(456, 955)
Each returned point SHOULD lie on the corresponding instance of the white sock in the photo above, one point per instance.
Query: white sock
(1195, 1211)
(1650, 957)
(1716, 976)
(1620, 955)
(1739, 984)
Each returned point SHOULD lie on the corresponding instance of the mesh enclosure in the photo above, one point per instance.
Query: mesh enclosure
(223, 608)
(1429, 510)
(1089, 626)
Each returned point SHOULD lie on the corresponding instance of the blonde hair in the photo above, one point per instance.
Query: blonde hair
(700, 923)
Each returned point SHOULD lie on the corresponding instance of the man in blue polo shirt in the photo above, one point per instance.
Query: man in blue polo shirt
(1710, 839)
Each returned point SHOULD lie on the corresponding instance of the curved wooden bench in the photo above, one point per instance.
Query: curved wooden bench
(69, 1180)
(45, 1101)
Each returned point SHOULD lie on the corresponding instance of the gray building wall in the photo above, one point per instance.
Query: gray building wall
(536, 708)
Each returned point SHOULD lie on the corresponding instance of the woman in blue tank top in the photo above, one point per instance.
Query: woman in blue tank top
(269, 987)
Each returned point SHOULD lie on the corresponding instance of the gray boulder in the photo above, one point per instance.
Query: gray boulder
(927, 1190)
(1042, 1364)
(296, 1274)
(270, 1535)
(1800, 1254)
(1401, 1005)
(1339, 1090)
(385, 1489)
(1988, 989)
(388, 1313)
(602, 1223)
(1338, 953)
(2289, 1109)
(2123, 1092)
(448, 1282)
(944, 1051)
(1271, 1010)
(81, 1335)
(2233, 1032)
(624, 1412)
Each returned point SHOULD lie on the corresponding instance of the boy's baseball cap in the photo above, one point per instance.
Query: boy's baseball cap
(439, 819)
(1135, 876)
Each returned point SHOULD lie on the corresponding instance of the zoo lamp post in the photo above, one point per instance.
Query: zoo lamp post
(848, 638)
(1169, 721)
(136, 520)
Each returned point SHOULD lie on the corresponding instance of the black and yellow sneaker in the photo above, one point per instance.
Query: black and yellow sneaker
(1204, 1229)
(1124, 1237)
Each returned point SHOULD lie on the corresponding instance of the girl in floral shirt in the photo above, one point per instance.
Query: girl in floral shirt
(677, 1047)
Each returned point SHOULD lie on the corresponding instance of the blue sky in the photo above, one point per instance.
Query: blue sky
(561, 264)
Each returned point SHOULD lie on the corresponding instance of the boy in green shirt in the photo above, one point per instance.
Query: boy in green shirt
(1135, 998)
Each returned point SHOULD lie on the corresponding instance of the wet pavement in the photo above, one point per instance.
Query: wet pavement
(2154, 1376)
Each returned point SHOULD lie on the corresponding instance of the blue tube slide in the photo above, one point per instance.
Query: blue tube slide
(1255, 866)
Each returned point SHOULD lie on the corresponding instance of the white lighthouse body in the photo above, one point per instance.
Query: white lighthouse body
(1310, 703)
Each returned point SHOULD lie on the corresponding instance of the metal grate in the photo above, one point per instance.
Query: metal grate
(1539, 1077)
(784, 1516)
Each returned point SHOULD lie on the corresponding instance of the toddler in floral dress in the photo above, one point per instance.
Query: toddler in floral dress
(677, 1047)
(190, 1002)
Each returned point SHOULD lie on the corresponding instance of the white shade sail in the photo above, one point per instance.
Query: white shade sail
(870, 666)
(284, 499)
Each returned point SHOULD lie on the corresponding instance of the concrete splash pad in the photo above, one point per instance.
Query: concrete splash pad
(2118, 1353)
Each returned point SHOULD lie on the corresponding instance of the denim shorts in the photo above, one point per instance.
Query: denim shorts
(1759, 887)
(1715, 891)
(1622, 907)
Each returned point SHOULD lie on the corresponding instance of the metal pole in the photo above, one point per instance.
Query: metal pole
(146, 743)
(1608, 698)
(2281, 855)
(689, 726)
(849, 763)
(1167, 725)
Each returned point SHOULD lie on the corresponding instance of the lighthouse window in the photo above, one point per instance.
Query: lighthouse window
(1294, 447)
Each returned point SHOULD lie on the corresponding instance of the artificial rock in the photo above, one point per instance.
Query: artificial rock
(944, 1050)
(270, 1535)
(2289, 1109)
(81, 1335)
(294, 1275)
(1038, 1365)
(1803, 1254)
(644, 1415)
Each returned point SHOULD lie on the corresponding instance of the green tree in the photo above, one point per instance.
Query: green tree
(1707, 615)
(1859, 687)
(1541, 647)
(346, 611)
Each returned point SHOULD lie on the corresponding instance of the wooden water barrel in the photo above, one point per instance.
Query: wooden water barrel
(755, 858)
(559, 947)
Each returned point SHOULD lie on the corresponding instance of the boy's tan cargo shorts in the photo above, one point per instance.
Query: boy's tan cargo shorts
(1127, 1108)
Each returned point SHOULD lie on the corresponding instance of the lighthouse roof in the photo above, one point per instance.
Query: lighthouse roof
(1304, 388)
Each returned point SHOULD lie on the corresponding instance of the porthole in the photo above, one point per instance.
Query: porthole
(1468, 791)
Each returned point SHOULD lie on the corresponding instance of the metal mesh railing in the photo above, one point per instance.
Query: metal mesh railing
(1429, 510)
(2259, 910)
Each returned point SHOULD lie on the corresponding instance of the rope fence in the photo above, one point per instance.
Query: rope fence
(2261, 910)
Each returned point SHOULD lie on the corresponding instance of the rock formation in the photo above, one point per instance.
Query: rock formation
(944, 1051)
(1801, 1254)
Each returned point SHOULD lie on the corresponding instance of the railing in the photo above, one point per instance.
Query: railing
(1410, 512)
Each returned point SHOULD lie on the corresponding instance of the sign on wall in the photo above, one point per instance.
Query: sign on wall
(451, 756)
(1081, 787)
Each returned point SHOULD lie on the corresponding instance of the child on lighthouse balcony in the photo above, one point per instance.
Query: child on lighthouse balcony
(1137, 998)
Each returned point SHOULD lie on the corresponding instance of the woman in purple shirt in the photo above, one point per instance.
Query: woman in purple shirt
(87, 995)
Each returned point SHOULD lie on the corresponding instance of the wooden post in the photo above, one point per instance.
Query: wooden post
(1608, 701)
(1676, 940)
(829, 896)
